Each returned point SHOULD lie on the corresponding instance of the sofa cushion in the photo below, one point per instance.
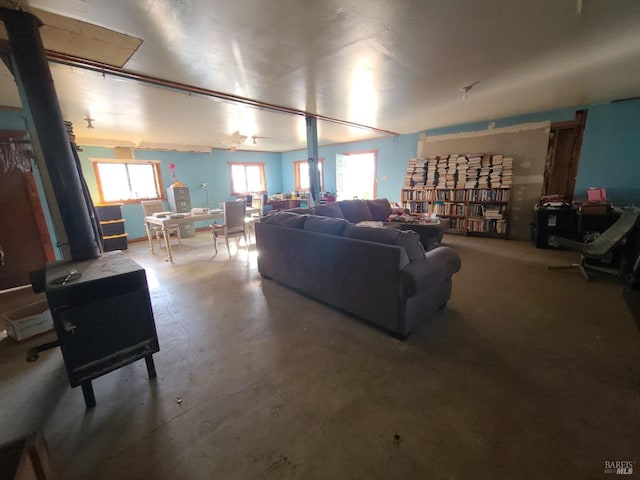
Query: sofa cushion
(301, 211)
(328, 225)
(286, 219)
(388, 236)
(380, 209)
(328, 210)
(355, 210)
(410, 240)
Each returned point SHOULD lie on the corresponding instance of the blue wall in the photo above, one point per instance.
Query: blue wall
(610, 159)
(392, 155)
(610, 156)
(12, 120)
(15, 120)
(192, 169)
(561, 115)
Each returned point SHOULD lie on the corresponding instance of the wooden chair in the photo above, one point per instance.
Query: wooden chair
(256, 202)
(234, 224)
(155, 206)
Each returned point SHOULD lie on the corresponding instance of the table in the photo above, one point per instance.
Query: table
(168, 222)
(286, 203)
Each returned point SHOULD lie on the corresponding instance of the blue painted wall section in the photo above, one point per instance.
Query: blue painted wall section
(610, 156)
(15, 120)
(392, 156)
(610, 159)
(561, 115)
(192, 169)
(12, 120)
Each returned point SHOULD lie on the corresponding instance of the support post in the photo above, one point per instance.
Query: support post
(46, 126)
(312, 154)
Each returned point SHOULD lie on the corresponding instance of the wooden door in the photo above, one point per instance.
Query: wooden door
(24, 239)
(563, 155)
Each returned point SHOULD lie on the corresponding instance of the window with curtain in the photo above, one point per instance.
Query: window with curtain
(127, 180)
(301, 169)
(247, 178)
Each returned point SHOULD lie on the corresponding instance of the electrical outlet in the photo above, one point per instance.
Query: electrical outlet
(203, 185)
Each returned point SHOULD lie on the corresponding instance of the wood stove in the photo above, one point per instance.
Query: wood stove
(103, 317)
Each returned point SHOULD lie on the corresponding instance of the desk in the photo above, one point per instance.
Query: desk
(286, 203)
(167, 222)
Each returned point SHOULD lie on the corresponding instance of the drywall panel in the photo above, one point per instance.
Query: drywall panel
(526, 143)
(81, 39)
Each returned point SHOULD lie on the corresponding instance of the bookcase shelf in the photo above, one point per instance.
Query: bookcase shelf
(472, 191)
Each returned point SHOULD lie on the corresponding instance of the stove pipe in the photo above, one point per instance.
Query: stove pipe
(31, 71)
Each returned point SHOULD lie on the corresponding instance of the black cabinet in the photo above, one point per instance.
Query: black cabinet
(112, 224)
(562, 222)
(590, 225)
(102, 315)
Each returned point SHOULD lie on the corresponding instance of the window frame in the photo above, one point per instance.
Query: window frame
(296, 170)
(157, 177)
(373, 151)
(263, 179)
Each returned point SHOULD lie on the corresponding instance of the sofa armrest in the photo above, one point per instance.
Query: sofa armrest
(438, 265)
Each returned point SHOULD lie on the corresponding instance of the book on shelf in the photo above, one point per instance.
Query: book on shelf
(472, 190)
(489, 212)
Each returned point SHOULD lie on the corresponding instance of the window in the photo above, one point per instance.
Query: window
(247, 178)
(356, 175)
(302, 174)
(127, 180)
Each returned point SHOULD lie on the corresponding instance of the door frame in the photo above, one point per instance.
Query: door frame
(374, 151)
(578, 124)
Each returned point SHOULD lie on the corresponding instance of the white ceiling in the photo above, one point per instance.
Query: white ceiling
(396, 65)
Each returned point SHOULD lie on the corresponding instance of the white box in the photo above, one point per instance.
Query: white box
(28, 321)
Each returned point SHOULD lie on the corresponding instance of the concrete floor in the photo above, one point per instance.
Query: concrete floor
(527, 374)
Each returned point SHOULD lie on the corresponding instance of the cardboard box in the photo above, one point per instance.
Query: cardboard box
(28, 321)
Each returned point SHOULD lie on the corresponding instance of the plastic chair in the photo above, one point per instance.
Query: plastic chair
(601, 246)
(155, 206)
(234, 224)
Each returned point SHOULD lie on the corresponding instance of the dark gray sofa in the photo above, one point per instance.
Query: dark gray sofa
(378, 210)
(381, 275)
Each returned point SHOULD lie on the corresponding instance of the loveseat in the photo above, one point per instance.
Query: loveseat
(381, 275)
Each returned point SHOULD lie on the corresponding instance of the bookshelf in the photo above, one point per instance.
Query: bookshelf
(473, 191)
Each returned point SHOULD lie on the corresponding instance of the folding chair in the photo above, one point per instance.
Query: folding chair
(601, 246)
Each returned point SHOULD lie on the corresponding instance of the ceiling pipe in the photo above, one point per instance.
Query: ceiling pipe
(104, 69)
